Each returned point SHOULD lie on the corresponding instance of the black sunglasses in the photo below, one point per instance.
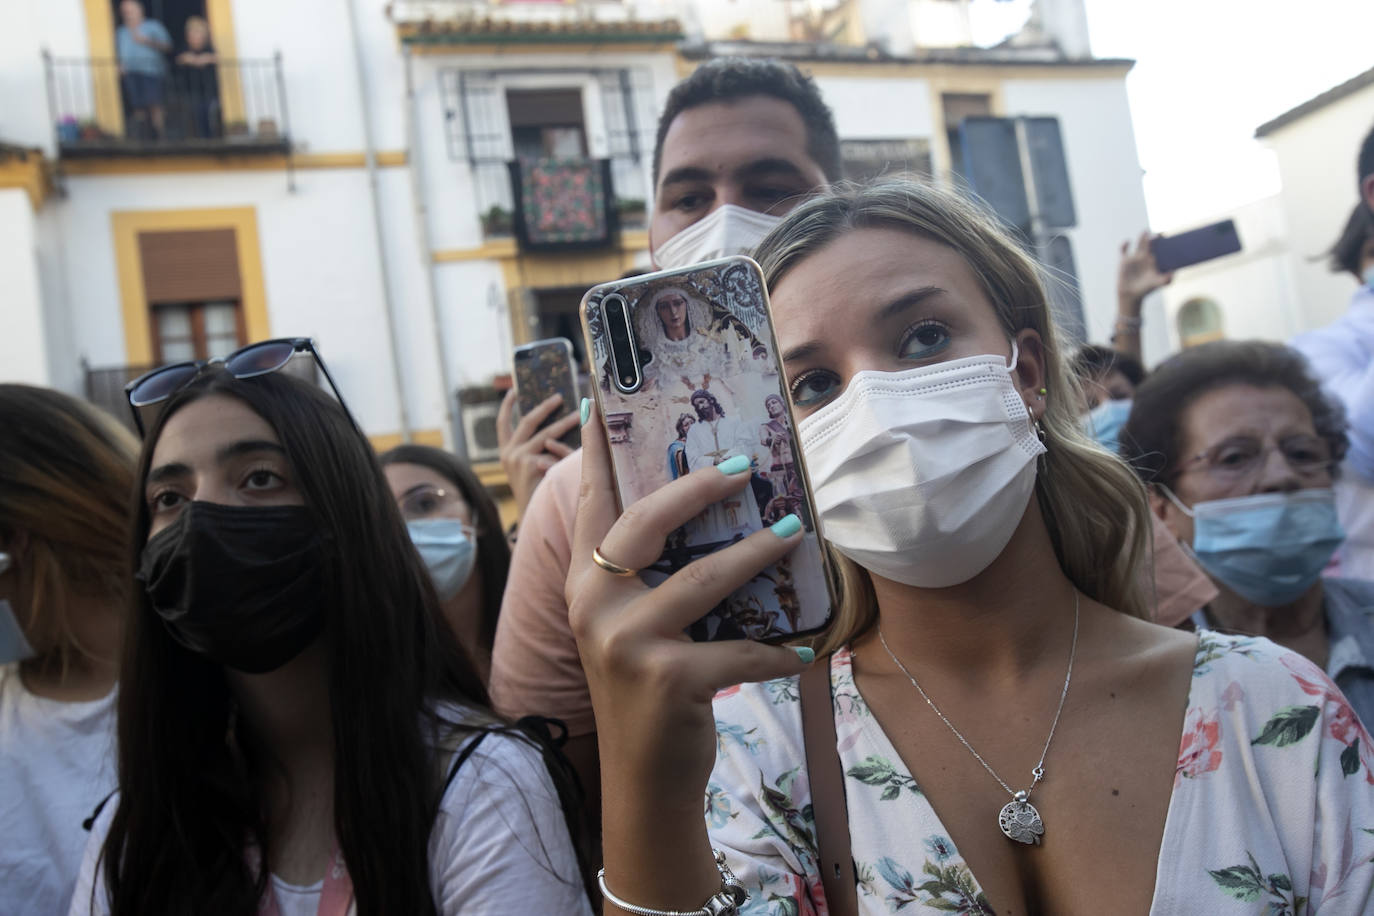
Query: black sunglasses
(247, 362)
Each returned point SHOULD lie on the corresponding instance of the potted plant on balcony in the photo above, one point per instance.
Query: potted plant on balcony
(497, 221)
(68, 130)
(90, 130)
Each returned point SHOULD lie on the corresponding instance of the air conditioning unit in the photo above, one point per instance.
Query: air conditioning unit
(478, 407)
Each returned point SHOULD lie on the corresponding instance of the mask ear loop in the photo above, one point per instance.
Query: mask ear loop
(1178, 503)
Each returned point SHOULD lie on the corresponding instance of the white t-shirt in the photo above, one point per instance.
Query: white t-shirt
(499, 845)
(56, 764)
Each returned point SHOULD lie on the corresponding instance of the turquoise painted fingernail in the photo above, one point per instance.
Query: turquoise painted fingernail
(734, 465)
(807, 655)
(585, 410)
(786, 526)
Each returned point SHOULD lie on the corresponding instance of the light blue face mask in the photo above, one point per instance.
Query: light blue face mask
(449, 550)
(13, 646)
(1369, 276)
(1268, 548)
(1105, 422)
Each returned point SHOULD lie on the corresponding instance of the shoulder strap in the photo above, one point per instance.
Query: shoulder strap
(827, 791)
(462, 757)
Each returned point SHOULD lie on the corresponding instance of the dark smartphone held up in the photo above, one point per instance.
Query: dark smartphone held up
(1195, 246)
(687, 377)
(544, 368)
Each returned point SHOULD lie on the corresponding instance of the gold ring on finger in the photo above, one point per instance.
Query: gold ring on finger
(614, 569)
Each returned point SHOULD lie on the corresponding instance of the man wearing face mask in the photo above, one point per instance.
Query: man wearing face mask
(739, 143)
(1240, 448)
(1342, 358)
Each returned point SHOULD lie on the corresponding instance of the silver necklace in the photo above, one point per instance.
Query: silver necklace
(1018, 818)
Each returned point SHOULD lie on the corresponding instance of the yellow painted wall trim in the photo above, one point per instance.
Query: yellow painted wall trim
(152, 165)
(956, 73)
(525, 49)
(31, 174)
(125, 227)
(100, 31)
(386, 441)
(220, 15)
(496, 249)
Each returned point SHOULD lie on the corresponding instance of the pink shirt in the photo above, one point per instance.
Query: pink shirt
(535, 668)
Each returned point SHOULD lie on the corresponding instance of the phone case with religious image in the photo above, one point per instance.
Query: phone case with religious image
(544, 368)
(686, 375)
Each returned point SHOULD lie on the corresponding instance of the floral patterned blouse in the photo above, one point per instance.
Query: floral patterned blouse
(1272, 810)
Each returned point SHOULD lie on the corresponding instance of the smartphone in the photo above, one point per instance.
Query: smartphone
(686, 374)
(1195, 246)
(544, 368)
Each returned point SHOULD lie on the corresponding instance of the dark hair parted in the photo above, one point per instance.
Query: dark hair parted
(1345, 253)
(1093, 361)
(1152, 439)
(727, 79)
(190, 801)
(493, 551)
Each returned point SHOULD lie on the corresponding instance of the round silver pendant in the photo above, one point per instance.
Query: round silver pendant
(1021, 822)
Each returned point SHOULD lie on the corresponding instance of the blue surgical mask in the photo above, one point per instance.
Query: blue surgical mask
(13, 646)
(1369, 276)
(449, 550)
(1105, 422)
(1269, 548)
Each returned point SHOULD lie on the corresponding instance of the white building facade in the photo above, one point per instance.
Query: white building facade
(357, 186)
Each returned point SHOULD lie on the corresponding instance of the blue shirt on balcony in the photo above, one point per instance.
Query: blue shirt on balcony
(141, 58)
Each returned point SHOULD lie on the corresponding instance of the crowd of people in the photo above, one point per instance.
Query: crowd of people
(1101, 644)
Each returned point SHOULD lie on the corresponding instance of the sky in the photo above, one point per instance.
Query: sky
(1207, 73)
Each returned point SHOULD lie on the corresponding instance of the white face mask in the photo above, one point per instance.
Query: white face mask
(725, 231)
(922, 476)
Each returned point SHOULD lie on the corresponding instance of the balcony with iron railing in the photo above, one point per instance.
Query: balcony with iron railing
(229, 106)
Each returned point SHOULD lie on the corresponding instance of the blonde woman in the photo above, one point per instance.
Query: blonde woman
(1011, 736)
(66, 472)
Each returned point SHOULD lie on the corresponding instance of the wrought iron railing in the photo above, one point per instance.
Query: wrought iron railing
(228, 106)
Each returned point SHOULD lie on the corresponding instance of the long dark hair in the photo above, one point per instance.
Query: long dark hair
(493, 551)
(190, 804)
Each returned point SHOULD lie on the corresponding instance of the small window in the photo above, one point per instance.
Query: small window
(1199, 321)
(196, 330)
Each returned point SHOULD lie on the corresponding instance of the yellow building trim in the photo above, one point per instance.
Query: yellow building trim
(151, 165)
(521, 48)
(29, 173)
(958, 74)
(496, 249)
(939, 85)
(126, 225)
(100, 31)
(220, 15)
(383, 442)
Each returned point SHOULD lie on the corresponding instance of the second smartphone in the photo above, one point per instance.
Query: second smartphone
(544, 368)
(686, 375)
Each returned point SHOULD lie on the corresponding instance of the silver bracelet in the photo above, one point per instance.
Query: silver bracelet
(726, 901)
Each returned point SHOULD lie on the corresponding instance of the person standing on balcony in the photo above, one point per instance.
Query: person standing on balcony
(197, 78)
(140, 44)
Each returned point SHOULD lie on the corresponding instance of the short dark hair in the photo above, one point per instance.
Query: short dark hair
(1345, 253)
(1151, 439)
(728, 78)
(1366, 163)
(493, 550)
(1092, 361)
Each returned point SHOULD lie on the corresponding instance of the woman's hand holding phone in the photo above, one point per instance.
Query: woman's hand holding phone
(527, 452)
(650, 685)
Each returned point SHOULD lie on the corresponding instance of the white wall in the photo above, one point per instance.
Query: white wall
(1317, 165)
(877, 108)
(319, 253)
(1104, 171)
(23, 347)
(29, 27)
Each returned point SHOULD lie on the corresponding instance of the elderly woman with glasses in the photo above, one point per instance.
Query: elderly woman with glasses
(1240, 448)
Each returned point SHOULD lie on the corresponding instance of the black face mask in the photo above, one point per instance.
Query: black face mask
(241, 585)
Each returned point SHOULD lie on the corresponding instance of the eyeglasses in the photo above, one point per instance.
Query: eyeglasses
(247, 362)
(425, 501)
(1242, 457)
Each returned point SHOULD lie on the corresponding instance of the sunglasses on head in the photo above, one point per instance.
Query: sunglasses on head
(247, 362)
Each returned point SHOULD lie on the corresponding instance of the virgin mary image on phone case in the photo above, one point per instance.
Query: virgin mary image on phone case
(710, 394)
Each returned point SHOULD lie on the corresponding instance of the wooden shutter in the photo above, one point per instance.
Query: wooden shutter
(190, 266)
